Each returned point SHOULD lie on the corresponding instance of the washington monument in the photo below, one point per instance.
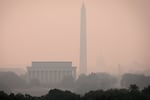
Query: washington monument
(83, 45)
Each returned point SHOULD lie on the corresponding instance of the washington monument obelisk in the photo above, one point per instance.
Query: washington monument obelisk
(83, 45)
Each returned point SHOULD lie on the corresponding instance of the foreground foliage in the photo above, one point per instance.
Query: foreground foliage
(133, 93)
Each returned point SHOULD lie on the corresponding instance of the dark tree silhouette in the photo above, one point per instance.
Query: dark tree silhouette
(133, 93)
(61, 95)
(133, 88)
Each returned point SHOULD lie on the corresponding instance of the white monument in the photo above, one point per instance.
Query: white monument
(83, 44)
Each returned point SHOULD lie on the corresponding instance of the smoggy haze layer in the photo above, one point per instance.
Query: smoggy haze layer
(117, 32)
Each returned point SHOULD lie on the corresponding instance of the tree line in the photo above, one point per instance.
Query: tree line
(132, 93)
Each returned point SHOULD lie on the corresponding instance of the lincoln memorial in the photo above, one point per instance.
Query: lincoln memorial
(50, 72)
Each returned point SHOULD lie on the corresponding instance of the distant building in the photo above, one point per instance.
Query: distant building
(51, 72)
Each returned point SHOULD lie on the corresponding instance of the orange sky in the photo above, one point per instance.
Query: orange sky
(49, 30)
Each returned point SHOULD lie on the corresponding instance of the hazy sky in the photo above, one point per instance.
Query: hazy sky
(48, 30)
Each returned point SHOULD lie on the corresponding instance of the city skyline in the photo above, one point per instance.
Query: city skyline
(117, 32)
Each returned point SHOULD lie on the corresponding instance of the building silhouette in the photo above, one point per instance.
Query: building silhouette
(83, 44)
(50, 72)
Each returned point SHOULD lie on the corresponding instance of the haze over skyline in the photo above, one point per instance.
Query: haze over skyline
(42, 30)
